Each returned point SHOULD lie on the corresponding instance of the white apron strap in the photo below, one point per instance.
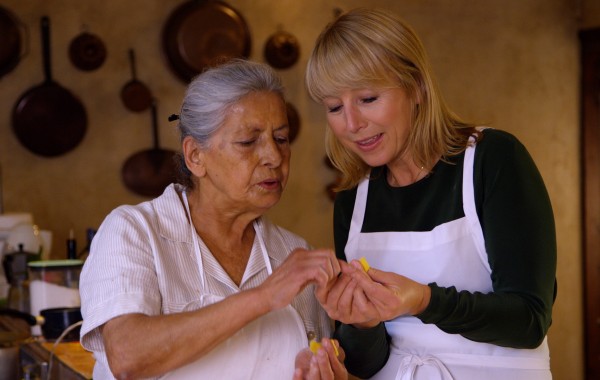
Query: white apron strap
(410, 363)
(469, 204)
(195, 241)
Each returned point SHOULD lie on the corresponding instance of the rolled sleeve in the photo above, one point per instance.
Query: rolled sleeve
(118, 277)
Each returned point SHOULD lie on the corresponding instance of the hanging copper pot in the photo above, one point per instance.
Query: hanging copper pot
(135, 95)
(202, 33)
(282, 50)
(87, 51)
(12, 47)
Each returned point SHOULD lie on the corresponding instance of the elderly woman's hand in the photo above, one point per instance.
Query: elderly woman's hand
(365, 299)
(301, 268)
(325, 364)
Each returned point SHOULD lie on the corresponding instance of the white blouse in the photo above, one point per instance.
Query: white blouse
(142, 261)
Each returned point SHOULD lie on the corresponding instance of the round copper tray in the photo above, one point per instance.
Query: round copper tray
(202, 33)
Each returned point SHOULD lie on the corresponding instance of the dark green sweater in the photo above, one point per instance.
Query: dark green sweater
(518, 225)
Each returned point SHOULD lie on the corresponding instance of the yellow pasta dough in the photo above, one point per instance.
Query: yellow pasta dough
(314, 347)
(364, 264)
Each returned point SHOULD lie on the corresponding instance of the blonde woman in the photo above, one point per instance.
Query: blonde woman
(454, 220)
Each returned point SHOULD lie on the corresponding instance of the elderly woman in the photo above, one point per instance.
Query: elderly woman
(197, 284)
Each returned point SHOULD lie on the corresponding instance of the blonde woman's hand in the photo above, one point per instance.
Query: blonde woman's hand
(345, 301)
(390, 294)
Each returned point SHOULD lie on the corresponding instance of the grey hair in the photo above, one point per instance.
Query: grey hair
(210, 95)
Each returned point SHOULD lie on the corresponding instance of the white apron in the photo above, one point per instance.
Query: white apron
(452, 254)
(264, 349)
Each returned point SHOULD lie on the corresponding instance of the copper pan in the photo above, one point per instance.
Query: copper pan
(12, 44)
(135, 95)
(202, 33)
(149, 171)
(282, 50)
(48, 119)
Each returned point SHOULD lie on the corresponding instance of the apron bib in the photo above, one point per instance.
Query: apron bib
(452, 254)
(264, 349)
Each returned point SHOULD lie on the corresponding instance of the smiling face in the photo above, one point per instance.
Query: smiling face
(245, 167)
(374, 123)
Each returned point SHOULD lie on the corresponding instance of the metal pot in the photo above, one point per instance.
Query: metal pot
(87, 51)
(282, 50)
(53, 321)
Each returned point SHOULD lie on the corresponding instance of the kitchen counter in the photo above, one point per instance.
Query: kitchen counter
(73, 356)
(69, 360)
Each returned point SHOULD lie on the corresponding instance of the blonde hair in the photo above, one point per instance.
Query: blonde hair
(366, 48)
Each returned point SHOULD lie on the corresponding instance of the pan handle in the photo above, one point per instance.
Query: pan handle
(132, 64)
(45, 28)
(30, 319)
(154, 125)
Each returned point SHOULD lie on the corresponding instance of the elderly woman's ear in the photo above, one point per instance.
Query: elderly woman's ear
(193, 156)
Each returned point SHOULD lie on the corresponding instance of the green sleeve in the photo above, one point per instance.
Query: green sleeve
(518, 225)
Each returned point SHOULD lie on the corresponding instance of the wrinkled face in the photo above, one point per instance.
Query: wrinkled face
(374, 123)
(247, 162)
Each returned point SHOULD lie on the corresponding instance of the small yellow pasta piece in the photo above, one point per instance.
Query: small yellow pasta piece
(314, 346)
(337, 352)
(364, 264)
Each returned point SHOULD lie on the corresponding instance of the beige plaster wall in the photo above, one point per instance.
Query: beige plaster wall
(513, 64)
(589, 14)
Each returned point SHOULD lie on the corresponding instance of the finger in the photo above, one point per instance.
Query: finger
(340, 307)
(334, 284)
(335, 263)
(308, 266)
(330, 348)
(297, 374)
(346, 267)
(321, 292)
(323, 359)
(361, 304)
(339, 351)
(336, 358)
(366, 280)
(313, 370)
(346, 298)
(357, 265)
(381, 276)
(337, 289)
(328, 264)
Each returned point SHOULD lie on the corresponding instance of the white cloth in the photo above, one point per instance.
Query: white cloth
(143, 260)
(452, 254)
